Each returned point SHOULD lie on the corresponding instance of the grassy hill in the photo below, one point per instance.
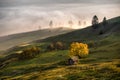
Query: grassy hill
(16, 39)
(102, 63)
(88, 33)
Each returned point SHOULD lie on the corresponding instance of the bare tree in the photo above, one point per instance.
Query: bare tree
(70, 23)
(51, 24)
(84, 23)
(39, 27)
(79, 23)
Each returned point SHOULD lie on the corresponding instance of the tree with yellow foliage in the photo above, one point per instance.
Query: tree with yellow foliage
(79, 49)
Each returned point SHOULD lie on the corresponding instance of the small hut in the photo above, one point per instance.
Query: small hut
(73, 60)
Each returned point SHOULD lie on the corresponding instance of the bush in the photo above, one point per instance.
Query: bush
(29, 53)
(92, 44)
(51, 47)
(59, 46)
(101, 32)
(56, 46)
(79, 49)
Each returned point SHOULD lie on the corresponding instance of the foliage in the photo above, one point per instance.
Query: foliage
(95, 22)
(79, 49)
(104, 21)
(56, 46)
(29, 53)
(101, 32)
(50, 47)
(60, 45)
(92, 44)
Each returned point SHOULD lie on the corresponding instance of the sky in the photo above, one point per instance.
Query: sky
(17, 16)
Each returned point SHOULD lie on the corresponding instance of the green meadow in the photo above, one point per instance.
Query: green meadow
(102, 63)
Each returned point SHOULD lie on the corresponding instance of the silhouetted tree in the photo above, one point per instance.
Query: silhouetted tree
(104, 21)
(95, 22)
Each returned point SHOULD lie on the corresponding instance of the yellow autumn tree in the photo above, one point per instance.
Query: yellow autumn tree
(79, 49)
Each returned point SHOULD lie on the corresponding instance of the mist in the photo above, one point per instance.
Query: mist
(19, 17)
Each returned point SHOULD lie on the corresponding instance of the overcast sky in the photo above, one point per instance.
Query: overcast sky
(26, 15)
(8, 3)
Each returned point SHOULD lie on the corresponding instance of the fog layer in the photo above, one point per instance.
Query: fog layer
(27, 16)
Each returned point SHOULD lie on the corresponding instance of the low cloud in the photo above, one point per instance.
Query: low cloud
(28, 18)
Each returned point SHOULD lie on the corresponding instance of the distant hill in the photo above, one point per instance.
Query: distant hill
(16, 39)
(88, 33)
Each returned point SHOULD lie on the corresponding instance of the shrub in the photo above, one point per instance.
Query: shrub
(59, 45)
(29, 53)
(91, 44)
(51, 47)
(78, 49)
(56, 46)
(101, 32)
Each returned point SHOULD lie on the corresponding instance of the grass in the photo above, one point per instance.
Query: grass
(17, 39)
(103, 62)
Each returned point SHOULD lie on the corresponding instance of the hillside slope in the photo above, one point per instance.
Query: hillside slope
(102, 63)
(88, 33)
(16, 39)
